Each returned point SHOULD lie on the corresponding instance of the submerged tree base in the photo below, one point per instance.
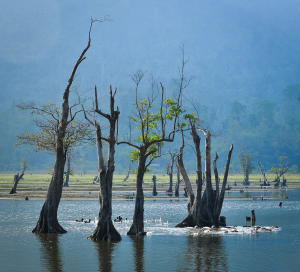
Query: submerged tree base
(189, 221)
(45, 227)
(105, 231)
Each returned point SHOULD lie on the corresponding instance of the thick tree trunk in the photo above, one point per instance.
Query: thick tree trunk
(47, 222)
(16, 181)
(105, 230)
(138, 216)
(206, 211)
(66, 184)
(193, 216)
(154, 192)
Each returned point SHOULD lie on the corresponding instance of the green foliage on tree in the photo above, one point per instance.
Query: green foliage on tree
(246, 164)
(48, 118)
(283, 167)
(151, 121)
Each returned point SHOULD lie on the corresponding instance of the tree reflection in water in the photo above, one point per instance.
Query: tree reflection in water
(138, 252)
(51, 252)
(208, 252)
(105, 252)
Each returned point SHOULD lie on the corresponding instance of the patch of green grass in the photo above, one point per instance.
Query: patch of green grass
(44, 179)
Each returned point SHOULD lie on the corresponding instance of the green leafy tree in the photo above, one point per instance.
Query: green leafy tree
(152, 124)
(246, 166)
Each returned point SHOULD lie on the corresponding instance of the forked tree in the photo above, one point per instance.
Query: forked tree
(152, 126)
(205, 210)
(17, 177)
(48, 222)
(105, 230)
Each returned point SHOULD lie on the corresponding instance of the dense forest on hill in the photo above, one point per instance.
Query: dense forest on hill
(245, 56)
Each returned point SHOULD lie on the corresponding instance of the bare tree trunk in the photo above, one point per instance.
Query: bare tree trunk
(47, 222)
(222, 194)
(137, 226)
(66, 184)
(170, 173)
(186, 180)
(193, 216)
(16, 181)
(154, 192)
(206, 211)
(263, 174)
(128, 171)
(177, 183)
(105, 230)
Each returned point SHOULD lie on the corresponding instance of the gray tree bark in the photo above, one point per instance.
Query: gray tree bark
(170, 172)
(128, 171)
(137, 226)
(105, 230)
(48, 222)
(177, 183)
(17, 178)
(66, 184)
(206, 210)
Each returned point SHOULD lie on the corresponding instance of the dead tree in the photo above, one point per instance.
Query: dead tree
(105, 230)
(154, 192)
(48, 222)
(280, 171)
(128, 171)
(17, 177)
(170, 171)
(177, 183)
(266, 183)
(205, 210)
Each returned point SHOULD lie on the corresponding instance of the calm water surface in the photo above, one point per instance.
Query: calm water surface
(168, 249)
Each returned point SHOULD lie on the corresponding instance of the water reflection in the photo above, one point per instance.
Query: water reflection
(138, 252)
(105, 253)
(208, 252)
(51, 252)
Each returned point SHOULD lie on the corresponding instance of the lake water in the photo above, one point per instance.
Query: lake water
(168, 249)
